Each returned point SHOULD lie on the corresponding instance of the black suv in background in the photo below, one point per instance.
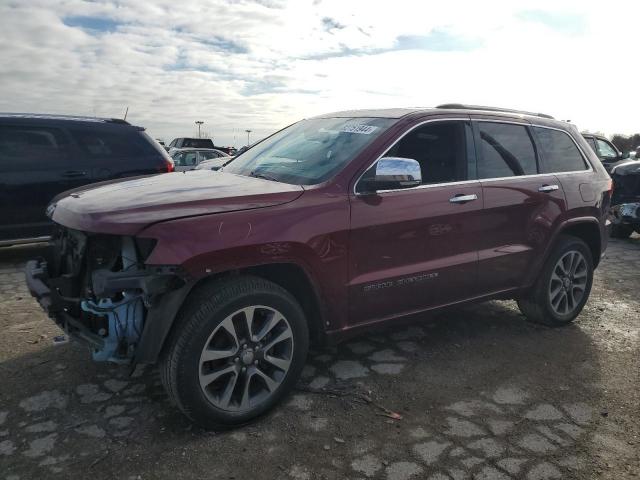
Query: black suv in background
(606, 151)
(44, 155)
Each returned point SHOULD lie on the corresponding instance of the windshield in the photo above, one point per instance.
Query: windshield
(310, 151)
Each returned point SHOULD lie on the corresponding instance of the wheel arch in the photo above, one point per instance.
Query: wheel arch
(588, 230)
(585, 228)
(290, 276)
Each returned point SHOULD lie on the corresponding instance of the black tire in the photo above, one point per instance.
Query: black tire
(621, 231)
(198, 321)
(537, 306)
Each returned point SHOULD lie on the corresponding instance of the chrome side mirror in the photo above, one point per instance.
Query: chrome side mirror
(391, 173)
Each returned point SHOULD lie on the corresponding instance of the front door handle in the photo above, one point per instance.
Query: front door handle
(74, 174)
(463, 198)
(548, 188)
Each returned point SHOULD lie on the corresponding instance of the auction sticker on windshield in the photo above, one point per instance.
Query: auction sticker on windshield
(362, 129)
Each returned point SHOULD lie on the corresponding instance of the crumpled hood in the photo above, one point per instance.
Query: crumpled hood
(127, 206)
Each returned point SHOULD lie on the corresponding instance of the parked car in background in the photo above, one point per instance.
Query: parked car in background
(185, 142)
(625, 210)
(606, 151)
(189, 158)
(213, 164)
(331, 226)
(231, 151)
(44, 155)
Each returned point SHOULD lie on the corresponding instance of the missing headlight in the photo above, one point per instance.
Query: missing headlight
(145, 246)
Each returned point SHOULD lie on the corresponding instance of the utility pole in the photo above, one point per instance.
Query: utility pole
(199, 123)
(248, 142)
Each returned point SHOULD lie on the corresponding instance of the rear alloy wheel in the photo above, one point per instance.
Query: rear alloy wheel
(238, 346)
(568, 282)
(563, 286)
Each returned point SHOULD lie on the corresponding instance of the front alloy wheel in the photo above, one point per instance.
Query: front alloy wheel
(237, 347)
(246, 358)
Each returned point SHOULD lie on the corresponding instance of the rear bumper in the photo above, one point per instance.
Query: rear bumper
(54, 304)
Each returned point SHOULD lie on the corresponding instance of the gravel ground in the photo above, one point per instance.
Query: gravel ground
(474, 392)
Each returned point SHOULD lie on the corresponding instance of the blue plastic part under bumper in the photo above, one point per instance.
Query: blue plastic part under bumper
(125, 319)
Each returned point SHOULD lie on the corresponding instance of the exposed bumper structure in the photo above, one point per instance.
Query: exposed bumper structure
(100, 294)
(626, 214)
(53, 303)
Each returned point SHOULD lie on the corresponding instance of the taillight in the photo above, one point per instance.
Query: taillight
(610, 186)
(168, 166)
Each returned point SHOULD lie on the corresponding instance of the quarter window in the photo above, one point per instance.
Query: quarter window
(209, 155)
(107, 144)
(560, 152)
(506, 150)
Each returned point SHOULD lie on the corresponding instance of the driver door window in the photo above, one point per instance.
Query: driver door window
(441, 150)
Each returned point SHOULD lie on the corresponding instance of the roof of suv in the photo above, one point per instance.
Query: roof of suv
(444, 108)
(28, 118)
(72, 118)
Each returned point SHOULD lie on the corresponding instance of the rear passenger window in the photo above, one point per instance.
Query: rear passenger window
(560, 152)
(20, 144)
(506, 150)
(106, 144)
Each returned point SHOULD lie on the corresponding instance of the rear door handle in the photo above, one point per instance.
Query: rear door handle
(463, 198)
(548, 188)
(74, 174)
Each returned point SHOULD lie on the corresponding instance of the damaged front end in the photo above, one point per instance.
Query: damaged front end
(625, 210)
(99, 290)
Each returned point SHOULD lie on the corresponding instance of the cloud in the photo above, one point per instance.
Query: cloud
(437, 40)
(264, 64)
(330, 24)
(91, 23)
(570, 23)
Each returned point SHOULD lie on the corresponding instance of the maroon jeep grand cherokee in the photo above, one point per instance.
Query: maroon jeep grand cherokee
(328, 227)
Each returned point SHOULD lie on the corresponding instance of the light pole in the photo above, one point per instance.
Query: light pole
(199, 122)
(248, 132)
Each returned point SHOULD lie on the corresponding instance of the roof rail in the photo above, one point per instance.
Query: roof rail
(455, 106)
(117, 120)
(54, 116)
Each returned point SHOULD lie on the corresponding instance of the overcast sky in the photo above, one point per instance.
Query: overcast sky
(263, 64)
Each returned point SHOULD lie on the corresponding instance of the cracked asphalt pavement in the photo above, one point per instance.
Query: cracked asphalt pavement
(474, 392)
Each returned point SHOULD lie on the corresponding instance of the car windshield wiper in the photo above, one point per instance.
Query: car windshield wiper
(263, 176)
